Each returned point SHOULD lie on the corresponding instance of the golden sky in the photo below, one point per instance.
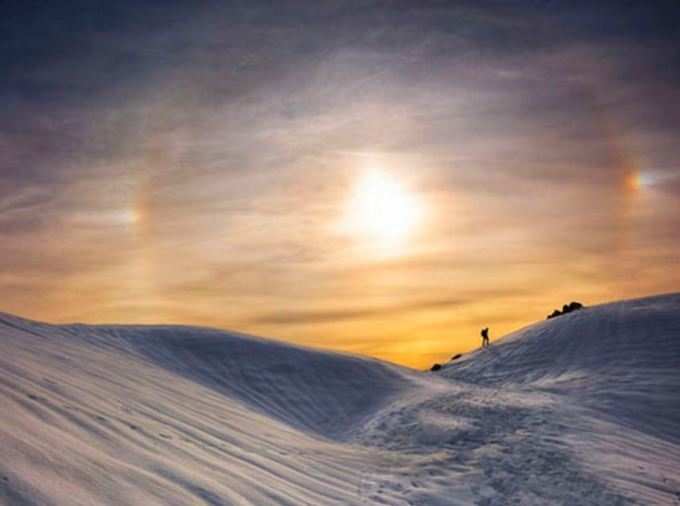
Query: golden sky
(362, 180)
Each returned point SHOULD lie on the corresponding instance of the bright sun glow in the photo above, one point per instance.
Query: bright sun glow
(383, 211)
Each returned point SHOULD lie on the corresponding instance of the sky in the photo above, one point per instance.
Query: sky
(378, 177)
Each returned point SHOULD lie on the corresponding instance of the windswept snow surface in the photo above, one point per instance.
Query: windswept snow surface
(583, 409)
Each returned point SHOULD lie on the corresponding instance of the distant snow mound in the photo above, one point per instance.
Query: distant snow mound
(622, 358)
(325, 392)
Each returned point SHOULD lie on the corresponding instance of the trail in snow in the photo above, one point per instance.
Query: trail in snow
(466, 444)
(582, 409)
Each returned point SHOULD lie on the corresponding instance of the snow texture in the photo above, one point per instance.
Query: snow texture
(583, 409)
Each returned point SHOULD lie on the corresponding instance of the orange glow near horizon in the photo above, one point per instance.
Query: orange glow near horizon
(389, 283)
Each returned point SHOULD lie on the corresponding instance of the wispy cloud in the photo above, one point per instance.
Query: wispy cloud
(336, 315)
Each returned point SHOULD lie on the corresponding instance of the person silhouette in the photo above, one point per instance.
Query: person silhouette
(485, 337)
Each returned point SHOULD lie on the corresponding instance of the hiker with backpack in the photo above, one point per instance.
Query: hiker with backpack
(485, 337)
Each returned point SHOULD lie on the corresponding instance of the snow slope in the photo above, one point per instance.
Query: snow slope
(614, 372)
(621, 359)
(178, 415)
(580, 409)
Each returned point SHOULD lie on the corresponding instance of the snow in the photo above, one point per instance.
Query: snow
(580, 409)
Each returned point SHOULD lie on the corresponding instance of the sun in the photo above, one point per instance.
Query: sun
(382, 211)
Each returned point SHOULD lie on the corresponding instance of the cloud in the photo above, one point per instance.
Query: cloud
(338, 315)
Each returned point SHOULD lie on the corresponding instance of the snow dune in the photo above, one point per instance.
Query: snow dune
(614, 371)
(179, 415)
(622, 359)
(327, 393)
(580, 409)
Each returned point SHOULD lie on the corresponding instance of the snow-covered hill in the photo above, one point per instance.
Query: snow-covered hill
(581, 409)
(615, 372)
(179, 415)
(622, 359)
